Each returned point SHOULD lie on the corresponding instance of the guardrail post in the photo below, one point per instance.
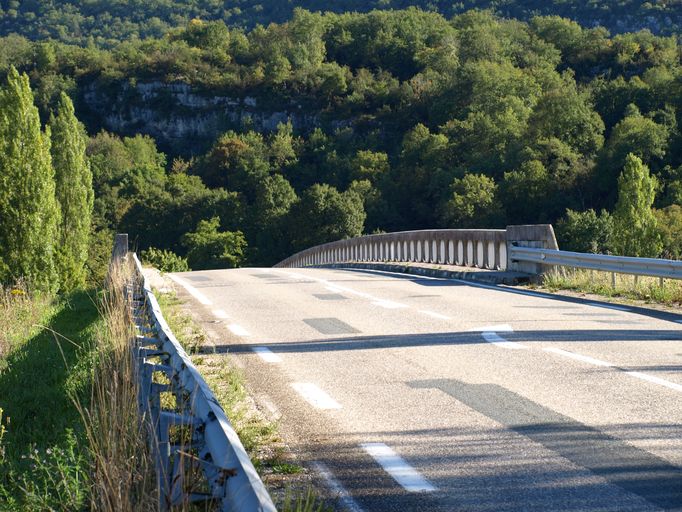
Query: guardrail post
(539, 236)
(120, 247)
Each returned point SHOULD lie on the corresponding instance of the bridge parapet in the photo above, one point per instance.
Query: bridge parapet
(480, 248)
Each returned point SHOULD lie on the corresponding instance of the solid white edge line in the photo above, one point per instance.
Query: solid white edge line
(191, 290)
(315, 396)
(608, 306)
(408, 477)
(238, 330)
(267, 355)
(498, 341)
(347, 502)
(433, 314)
(655, 380)
(578, 357)
(219, 313)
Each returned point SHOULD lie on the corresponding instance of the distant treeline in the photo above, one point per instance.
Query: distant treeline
(425, 122)
(107, 22)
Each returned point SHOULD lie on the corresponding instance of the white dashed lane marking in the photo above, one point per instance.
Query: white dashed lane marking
(578, 357)
(267, 355)
(238, 330)
(598, 362)
(433, 314)
(315, 396)
(408, 477)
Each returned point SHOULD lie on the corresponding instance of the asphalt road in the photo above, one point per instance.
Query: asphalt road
(410, 393)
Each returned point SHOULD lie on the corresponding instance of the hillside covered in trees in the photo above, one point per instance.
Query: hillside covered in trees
(227, 146)
(105, 22)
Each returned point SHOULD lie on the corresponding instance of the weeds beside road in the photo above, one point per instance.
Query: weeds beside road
(618, 286)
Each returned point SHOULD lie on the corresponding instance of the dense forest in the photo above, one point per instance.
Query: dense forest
(106, 22)
(231, 147)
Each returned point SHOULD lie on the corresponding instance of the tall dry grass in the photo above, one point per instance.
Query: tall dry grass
(123, 477)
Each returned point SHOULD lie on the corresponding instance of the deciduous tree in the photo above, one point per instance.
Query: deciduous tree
(635, 227)
(73, 190)
(28, 209)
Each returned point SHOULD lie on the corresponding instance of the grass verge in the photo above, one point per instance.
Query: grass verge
(647, 289)
(43, 462)
(70, 438)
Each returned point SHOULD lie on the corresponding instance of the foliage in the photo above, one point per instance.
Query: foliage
(426, 121)
(585, 231)
(74, 193)
(45, 464)
(28, 209)
(323, 214)
(634, 223)
(106, 22)
(669, 223)
(209, 248)
(473, 203)
(165, 261)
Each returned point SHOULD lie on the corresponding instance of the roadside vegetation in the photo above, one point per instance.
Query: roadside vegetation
(70, 438)
(649, 290)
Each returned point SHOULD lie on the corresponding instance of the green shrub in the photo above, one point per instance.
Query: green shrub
(208, 248)
(165, 261)
(585, 231)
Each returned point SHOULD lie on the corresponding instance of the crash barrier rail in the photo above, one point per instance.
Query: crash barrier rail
(653, 267)
(481, 248)
(198, 455)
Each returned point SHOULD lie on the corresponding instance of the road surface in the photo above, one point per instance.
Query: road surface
(411, 393)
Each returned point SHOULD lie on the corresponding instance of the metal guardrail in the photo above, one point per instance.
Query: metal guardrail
(199, 456)
(653, 267)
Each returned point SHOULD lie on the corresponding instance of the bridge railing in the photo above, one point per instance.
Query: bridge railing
(209, 446)
(480, 248)
(530, 249)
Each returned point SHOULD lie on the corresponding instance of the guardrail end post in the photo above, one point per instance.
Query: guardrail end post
(539, 236)
(120, 247)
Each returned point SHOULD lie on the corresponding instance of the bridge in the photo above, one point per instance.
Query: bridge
(438, 389)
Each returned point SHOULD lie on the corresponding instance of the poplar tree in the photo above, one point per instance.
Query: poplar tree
(635, 230)
(74, 193)
(28, 209)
